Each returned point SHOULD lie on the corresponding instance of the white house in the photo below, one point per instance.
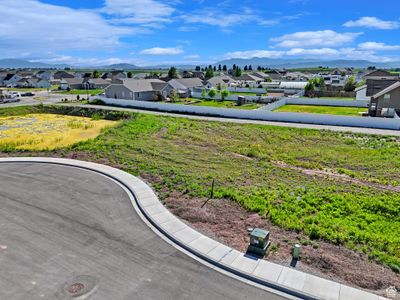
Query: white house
(361, 93)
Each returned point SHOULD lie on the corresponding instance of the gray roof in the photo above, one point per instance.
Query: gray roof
(98, 81)
(190, 82)
(220, 80)
(388, 90)
(144, 85)
(72, 80)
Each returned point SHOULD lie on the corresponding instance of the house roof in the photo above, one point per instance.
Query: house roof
(9, 76)
(187, 83)
(98, 81)
(380, 73)
(248, 77)
(73, 81)
(361, 88)
(220, 80)
(144, 85)
(387, 90)
(375, 86)
(261, 75)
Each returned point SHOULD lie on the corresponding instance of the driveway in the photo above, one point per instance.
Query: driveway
(65, 231)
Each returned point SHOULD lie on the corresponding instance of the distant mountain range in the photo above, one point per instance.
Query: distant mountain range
(254, 62)
(304, 63)
(25, 64)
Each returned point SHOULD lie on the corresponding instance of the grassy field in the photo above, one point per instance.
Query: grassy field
(261, 168)
(32, 90)
(222, 104)
(316, 109)
(82, 92)
(47, 131)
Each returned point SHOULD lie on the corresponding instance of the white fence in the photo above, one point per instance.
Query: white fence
(229, 98)
(316, 101)
(368, 122)
(247, 90)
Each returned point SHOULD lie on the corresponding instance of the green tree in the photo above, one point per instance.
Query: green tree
(238, 72)
(173, 73)
(96, 74)
(309, 89)
(224, 94)
(224, 68)
(212, 93)
(203, 93)
(174, 96)
(350, 85)
(130, 74)
(209, 73)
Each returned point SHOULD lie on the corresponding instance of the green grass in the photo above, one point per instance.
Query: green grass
(184, 156)
(221, 104)
(316, 109)
(82, 92)
(26, 90)
(247, 93)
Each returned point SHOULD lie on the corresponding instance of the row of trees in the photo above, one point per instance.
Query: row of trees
(319, 84)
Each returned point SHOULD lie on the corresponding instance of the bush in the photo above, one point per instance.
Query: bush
(97, 102)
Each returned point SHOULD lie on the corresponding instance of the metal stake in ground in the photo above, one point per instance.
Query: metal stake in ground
(211, 194)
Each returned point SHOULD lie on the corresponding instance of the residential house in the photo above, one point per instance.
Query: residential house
(184, 87)
(275, 74)
(95, 83)
(140, 90)
(71, 83)
(249, 79)
(386, 103)
(11, 79)
(262, 75)
(46, 75)
(114, 75)
(62, 75)
(375, 86)
(361, 93)
(342, 71)
(296, 76)
(219, 81)
(380, 75)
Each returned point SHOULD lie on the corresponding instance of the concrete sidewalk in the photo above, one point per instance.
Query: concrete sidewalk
(223, 258)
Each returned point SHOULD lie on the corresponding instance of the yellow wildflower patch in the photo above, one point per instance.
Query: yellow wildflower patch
(47, 131)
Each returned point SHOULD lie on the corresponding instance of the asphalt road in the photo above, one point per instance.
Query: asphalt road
(65, 231)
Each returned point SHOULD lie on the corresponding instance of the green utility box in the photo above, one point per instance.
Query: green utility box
(259, 241)
(296, 252)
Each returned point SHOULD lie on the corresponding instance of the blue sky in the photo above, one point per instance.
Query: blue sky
(149, 32)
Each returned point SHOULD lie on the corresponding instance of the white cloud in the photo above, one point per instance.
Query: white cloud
(373, 22)
(315, 53)
(138, 11)
(322, 38)
(162, 51)
(43, 28)
(312, 52)
(378, 46)
(193, 56)
(211, 17)
(254, 53)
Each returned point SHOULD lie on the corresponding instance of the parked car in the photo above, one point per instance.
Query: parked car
(28, 94)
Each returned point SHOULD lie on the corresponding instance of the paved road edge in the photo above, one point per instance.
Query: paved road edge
(283, 280)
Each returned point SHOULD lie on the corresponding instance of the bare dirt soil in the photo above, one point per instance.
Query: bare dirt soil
(227, 222)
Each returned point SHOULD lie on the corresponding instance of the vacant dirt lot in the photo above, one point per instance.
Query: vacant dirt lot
(229, 223)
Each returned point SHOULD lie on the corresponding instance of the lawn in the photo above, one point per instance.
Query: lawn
(221, 104)
(81, 92)
(316, 109)
(267, 170)
(27, 90)
(47, 131)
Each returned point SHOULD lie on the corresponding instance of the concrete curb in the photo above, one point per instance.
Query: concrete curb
(232, 262)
